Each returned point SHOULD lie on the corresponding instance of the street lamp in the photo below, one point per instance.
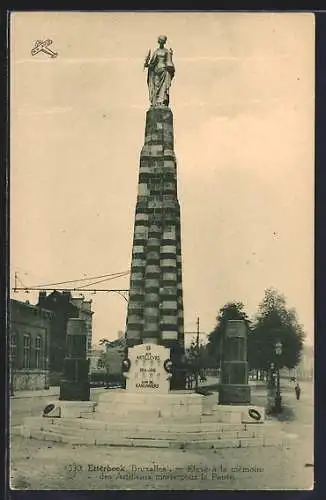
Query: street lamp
(278, 397)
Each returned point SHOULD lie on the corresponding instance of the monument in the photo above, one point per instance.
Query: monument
(234, 387)
(154, 410)
(155, 308)
(74, 385)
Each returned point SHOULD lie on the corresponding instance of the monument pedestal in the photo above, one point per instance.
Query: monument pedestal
(145, 406)
(74, 385)
(74, 391)
(239, 414)
(69, 409)
(234, 394)
(234, 388)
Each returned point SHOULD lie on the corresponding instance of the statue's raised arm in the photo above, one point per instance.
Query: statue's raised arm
(160, 73)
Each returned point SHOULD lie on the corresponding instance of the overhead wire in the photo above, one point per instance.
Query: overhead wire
(108, 279)
(107, 276)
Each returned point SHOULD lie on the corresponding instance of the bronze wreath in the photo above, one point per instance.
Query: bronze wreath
(48, 408)
(168, 365)
(126, 365)
(254, 414)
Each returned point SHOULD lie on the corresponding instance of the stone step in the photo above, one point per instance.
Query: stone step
(16, 430)
(90, 424)
(169, 413)
(73, 430)
(134, 433)
(93, 424)
(154, 443)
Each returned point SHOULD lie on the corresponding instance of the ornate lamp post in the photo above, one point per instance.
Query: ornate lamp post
(278, 397)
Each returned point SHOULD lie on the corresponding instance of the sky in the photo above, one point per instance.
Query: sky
(243, 106)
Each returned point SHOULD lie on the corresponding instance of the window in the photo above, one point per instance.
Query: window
(38, 352)
(27, 351)
(13, 349)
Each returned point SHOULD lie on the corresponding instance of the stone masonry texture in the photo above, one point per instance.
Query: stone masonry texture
(155, 309)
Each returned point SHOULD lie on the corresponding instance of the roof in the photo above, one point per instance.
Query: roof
(27, 305)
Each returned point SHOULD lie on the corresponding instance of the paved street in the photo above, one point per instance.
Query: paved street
(44, 465)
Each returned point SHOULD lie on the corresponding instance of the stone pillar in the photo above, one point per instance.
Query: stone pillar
(74, 385)
(155, 309)
(234, 387)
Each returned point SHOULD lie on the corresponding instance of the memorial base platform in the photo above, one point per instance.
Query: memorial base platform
(176, 420)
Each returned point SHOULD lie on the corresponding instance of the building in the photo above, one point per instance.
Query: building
(30, 331)
(64, 307)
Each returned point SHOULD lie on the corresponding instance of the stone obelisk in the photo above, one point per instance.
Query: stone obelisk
(155, 308)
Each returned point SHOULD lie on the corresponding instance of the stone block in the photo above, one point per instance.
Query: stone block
(72, 409)
(25, 431)
(234, 394)
(225, 443)
(253, 441)
(78, 391)
(147, 373)
(273, 441)
(16, 430)
(47, 436)
(229, 417)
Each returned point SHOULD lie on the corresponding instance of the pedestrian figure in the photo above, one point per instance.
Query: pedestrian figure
(189, 382)
(297, 390)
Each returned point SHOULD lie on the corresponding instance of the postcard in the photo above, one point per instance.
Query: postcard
(161, 250)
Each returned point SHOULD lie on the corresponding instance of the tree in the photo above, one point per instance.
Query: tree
(198, 358)
(275, 323)
(111, 358)
(231, 310)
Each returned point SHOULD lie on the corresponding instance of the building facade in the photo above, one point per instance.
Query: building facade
(29, 339)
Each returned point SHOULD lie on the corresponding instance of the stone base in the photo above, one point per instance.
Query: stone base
(140, 406)
(70, 409)
(182, 434)
(234, 394)
(74, 391)
(246, 414)
(173, 420)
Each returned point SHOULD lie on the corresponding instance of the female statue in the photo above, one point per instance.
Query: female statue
(160, 73)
